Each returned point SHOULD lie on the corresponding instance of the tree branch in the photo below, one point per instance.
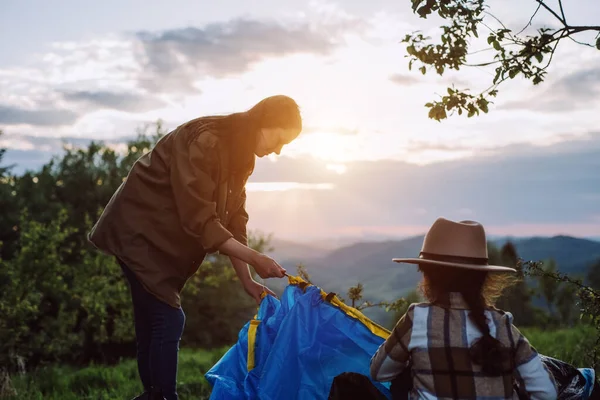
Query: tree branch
(581, 43)
(553, 50)
(541, 2)
(562, 12)
(496, 18)
(530, 19)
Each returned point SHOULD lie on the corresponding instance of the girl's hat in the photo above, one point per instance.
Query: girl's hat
(455, 244)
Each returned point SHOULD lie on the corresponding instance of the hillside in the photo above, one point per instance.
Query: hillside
(371, 264)
(287, 250)
(572, 255)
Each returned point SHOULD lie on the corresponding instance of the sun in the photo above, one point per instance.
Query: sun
(334, 148)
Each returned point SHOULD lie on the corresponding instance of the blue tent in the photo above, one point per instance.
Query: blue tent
(294, 347)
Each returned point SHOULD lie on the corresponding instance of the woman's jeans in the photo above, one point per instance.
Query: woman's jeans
(158, 330)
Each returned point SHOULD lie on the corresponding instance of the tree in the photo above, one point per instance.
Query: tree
(512, 53)
(8, 204)
(3, 170)
(548, 286)
(55, 311)
(566, 301)
(411, 297)
(516, 298)
(593, 275)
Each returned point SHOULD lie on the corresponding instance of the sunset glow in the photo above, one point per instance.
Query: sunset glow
(368, 159)
(285, 186)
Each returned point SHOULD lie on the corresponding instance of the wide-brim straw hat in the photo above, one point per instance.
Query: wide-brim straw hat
(455, 244)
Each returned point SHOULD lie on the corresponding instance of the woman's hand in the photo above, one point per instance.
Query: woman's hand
(255, 289)
(266, 267)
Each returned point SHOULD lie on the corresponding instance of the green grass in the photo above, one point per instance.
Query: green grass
(122, 382)
(112, 382)
(570, 345)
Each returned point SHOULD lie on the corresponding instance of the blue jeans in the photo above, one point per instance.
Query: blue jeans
(158, 330)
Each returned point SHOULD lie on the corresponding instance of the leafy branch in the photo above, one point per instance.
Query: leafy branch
(355, 294)
(514, 54)
(589, 298)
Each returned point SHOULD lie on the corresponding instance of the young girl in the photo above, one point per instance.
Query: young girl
(457, 345)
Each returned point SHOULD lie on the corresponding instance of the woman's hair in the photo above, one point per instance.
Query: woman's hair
(242, 129)
(277, 112)
(479, 289)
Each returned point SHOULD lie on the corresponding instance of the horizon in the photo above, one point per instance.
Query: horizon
(334, 243)
(369, 161)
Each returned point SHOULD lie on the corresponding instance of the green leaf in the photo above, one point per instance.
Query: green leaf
(491, 39)
(498, 72)
(423, 70)
(598, 43)
(539, 56)
(512, 73)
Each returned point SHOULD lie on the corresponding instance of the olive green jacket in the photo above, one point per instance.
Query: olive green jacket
(179, 202)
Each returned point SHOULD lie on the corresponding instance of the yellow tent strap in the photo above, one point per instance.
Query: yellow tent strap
(252, 337)
(350, 311)
(252, 342)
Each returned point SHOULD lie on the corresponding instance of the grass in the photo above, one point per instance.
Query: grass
(112, 382)
(573, 346)
(121, 381)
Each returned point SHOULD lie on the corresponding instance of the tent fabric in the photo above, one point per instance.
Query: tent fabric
(294, 347)
(572, 383)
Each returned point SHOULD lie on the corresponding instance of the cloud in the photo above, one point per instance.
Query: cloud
(404, 80)
(583, 84)
(11, 115)
(176, 58)
(517, 189)
(27, 152)
(133, 72)
(130, 102)
(572, 92)
(528, 189)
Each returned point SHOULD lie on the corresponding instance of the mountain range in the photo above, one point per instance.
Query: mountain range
(370, 263)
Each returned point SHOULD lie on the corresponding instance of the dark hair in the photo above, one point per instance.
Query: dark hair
(241, 129)
(479, 289)
(277, 112)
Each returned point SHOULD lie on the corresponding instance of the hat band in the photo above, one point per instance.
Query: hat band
(453, 259)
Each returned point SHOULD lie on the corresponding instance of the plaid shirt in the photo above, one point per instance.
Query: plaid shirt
(435, 339)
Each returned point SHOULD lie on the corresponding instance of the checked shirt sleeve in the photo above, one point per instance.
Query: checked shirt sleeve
(537, 379)
(393, 355)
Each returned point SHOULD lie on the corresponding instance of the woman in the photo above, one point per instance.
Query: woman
(182, 200)
(457, 345)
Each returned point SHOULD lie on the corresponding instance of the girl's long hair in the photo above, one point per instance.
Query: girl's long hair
(242, 129)
(479, 289)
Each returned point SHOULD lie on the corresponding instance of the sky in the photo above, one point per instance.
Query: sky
(369, 163)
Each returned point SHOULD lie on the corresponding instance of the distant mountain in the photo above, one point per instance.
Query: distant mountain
(287, 250)
(572, 255)
(371, 264)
